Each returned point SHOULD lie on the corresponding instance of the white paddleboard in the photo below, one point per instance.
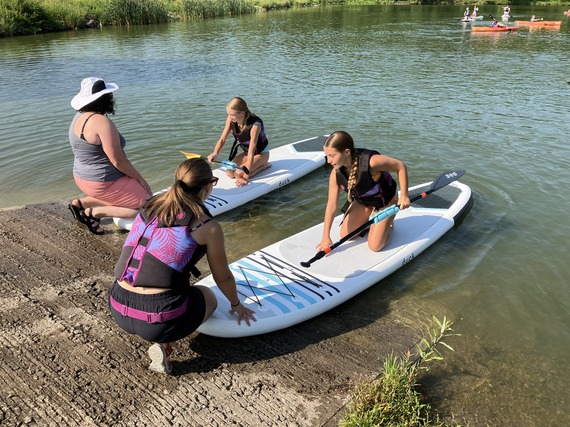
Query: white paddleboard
(288, 163)
(282, 293)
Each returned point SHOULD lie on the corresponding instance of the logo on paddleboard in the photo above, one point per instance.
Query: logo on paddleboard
(284, 182)
(408, 259)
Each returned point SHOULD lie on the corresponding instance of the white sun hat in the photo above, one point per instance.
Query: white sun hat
(91, 89)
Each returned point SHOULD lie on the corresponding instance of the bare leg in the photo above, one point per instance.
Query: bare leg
(114, 211)
(378, 234)
(211, 301)
(260, 162)
(100, 209)
(356, 216)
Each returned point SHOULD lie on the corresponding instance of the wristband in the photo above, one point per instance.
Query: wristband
(235, 305)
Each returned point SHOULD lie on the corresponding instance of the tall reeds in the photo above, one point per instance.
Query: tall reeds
(202, 9)
(134, 12)
(18, 17)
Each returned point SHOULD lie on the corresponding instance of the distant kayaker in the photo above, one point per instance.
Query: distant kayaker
(507, 11)
(467, 12)
(535, 19)
(365, 176)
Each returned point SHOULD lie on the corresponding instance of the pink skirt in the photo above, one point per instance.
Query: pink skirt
(126, 192)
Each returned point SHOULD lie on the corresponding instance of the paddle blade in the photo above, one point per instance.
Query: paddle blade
(191, 155)
(445, 179)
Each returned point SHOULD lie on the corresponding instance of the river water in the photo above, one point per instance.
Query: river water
(410, 81)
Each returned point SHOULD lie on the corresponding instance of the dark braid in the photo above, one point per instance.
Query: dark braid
(353, 176)
(340, 141)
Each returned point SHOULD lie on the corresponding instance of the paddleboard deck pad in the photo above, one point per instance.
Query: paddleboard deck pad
(288, 163)
(282, 293)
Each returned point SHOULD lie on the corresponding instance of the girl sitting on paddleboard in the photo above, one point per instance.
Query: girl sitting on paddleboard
(249, 134)
(152, 296)
(365, 176)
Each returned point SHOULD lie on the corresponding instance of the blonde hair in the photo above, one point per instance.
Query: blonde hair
(238, 104)
(340, 141)
(189, 180)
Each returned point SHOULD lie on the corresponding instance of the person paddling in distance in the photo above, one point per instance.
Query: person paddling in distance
(365, 176)
(249, 134)
(152, 296)
(112, 185)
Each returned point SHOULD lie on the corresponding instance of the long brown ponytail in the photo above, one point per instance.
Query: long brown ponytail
(190, 179)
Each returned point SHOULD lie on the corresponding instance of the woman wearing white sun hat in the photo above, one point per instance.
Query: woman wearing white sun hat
(112, 185)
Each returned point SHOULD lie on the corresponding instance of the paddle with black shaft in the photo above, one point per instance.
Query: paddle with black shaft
(444, 179)
(230, 165)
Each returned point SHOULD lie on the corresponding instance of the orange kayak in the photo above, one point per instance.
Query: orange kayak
(482, 29)
(539, 23)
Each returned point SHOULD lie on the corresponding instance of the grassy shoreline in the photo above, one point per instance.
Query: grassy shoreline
(26, 17)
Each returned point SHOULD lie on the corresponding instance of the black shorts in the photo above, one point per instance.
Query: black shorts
(169, 331)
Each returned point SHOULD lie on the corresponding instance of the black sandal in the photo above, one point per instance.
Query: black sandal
(76, 211)
(91, 222)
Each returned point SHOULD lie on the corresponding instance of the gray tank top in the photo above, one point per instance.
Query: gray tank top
(90, 161)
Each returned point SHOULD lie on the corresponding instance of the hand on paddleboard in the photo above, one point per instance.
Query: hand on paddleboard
(243, 313)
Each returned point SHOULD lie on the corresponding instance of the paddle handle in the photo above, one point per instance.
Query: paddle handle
(232, 165)
(317, 257)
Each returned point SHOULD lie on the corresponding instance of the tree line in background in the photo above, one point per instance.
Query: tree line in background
(24, 17)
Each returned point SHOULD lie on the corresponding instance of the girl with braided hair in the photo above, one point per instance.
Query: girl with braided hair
(365, 176)
(152, 296)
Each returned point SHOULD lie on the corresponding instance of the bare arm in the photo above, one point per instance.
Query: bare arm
(330, 211)
(216, 253)
(379, 163)
(220, 143)
(108, 135)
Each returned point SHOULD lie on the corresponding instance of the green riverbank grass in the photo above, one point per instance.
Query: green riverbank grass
(23, 17)
(392, 399)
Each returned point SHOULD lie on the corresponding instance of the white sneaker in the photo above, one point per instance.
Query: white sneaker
(159, 359)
